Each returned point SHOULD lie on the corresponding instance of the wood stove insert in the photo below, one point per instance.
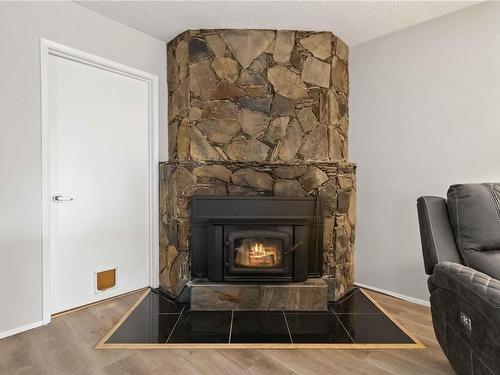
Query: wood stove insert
(256, 238)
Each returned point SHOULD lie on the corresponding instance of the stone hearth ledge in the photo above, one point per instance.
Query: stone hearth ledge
(310, 295)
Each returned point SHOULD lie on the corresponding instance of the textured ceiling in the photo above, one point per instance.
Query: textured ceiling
(354, 21)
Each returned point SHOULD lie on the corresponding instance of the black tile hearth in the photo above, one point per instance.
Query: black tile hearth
(162, 305)
(373, 328)
(202, 327)
(354, 303)
(353, 321)
(259, 327)
(144, 326)
(317, 327)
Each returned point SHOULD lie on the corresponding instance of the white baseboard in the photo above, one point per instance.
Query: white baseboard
(396, 295)
(17, 330)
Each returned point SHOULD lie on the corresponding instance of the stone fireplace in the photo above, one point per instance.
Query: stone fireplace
(261, 114)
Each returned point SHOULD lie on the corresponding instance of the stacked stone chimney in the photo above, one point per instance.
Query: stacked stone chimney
(258, 112)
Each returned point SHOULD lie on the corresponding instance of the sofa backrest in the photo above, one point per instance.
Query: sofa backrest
(474, 211)
(438, 241)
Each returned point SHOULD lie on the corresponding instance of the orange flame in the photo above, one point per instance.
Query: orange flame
(260, 254)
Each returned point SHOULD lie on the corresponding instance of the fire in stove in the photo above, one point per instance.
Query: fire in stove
(258, 254)
(262, 256)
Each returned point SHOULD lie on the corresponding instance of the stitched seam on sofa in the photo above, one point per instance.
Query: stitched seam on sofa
(459, 335)
(472, 290)
(497, 199)
(467, 345)
(461, 340)
(459, 240)
(496, 187)
(484, 364)
(488, 285)
(471, 359)
(494, 198)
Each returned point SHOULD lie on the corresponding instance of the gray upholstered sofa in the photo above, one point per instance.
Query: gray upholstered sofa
(461, 247)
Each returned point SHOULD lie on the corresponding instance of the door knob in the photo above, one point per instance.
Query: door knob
(58, 198)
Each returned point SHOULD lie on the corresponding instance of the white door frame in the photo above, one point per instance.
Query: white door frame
(48, 48)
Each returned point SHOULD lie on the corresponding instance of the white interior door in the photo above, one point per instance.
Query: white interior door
(98, 153)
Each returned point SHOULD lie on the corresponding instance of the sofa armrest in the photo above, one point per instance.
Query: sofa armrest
(482, 291)
(436, 234)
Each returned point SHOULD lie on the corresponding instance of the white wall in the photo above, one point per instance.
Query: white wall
(425, 113)
(21, 27)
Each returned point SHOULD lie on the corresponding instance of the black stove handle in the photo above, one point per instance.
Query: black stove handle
(294, 247)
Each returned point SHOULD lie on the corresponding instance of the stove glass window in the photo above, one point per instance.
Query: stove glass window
(257, 252)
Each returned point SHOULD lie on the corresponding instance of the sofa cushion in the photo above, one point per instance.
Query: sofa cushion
(474, 211)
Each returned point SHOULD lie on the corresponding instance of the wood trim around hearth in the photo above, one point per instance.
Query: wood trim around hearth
(101, 344)
(400, 326)
(100, 302)
(263, 346)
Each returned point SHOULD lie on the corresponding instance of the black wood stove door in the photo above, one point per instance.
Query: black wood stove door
(248, 251)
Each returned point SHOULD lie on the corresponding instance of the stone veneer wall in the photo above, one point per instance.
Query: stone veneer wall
(258, 112)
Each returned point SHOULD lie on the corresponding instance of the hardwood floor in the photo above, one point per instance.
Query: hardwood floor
(67, 347)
